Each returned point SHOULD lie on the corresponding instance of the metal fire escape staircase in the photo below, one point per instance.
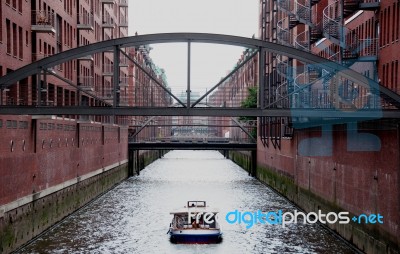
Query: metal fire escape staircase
(353, 49)
(299, 12)
(315, 86)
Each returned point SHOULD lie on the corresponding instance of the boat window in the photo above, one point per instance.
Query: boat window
(196, 203)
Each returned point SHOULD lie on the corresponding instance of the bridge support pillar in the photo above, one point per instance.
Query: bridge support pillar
(131, 162)
(137, 162)
(253, 167)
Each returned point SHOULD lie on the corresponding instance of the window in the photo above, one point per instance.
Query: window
(388, 26)
(11, 124)
(394, 26)
(396, 76)
(65, 33)
(382, 25)
(392, 76)
(15, 35)
(21, 43)
(383, 75)
(8, 27)
(1, 25)
(398, 21)
(20, 6)
(23, 124)
(26, 38)
(387, 74)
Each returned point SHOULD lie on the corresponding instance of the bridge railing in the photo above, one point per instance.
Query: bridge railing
(173, 139)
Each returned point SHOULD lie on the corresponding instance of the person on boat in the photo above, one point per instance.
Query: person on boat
(201, 222)
(195, 225)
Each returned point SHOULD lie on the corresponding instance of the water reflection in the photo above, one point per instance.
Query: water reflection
(134, 217)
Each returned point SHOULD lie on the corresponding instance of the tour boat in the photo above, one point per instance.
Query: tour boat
(201, 227)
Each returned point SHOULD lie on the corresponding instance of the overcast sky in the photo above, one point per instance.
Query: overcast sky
(209, 62)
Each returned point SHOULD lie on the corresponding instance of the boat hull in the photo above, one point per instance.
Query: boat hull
(196, 236)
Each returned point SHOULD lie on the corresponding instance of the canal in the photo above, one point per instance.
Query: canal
(134, 217)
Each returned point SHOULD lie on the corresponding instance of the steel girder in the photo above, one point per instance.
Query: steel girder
(191, 146)
(172, 111)
(38, 66)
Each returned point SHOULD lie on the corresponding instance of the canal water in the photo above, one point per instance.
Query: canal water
(134, 217)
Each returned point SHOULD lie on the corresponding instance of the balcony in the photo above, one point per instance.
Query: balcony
(123, 3)
(108, 69)
(37, 57)
(124, 82)
(124, 61)
(106, 94)
(363, 50)
(368, 49)
(86, 83)
(85, 22)
(123, 103)
(108, 22)
(107, 1)
(43, 22)
(369, 5)
(86, 58)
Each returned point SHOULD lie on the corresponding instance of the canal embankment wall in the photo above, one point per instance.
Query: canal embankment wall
(359, 182)
(51, 167)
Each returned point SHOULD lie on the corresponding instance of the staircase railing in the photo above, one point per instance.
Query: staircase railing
(283, 33)
(303, 12)
(302, 41)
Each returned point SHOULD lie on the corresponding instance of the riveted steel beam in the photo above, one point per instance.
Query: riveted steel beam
(173, 111)
(102, 46)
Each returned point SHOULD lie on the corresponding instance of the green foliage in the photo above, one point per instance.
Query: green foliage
(250, 102)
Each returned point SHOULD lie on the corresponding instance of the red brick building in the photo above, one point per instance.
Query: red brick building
(44, 157)
(364, 36)
(233, 91)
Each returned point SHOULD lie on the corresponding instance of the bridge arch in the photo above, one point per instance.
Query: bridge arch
(37, 67)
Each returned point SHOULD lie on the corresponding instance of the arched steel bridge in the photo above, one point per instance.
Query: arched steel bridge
(189, 108)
